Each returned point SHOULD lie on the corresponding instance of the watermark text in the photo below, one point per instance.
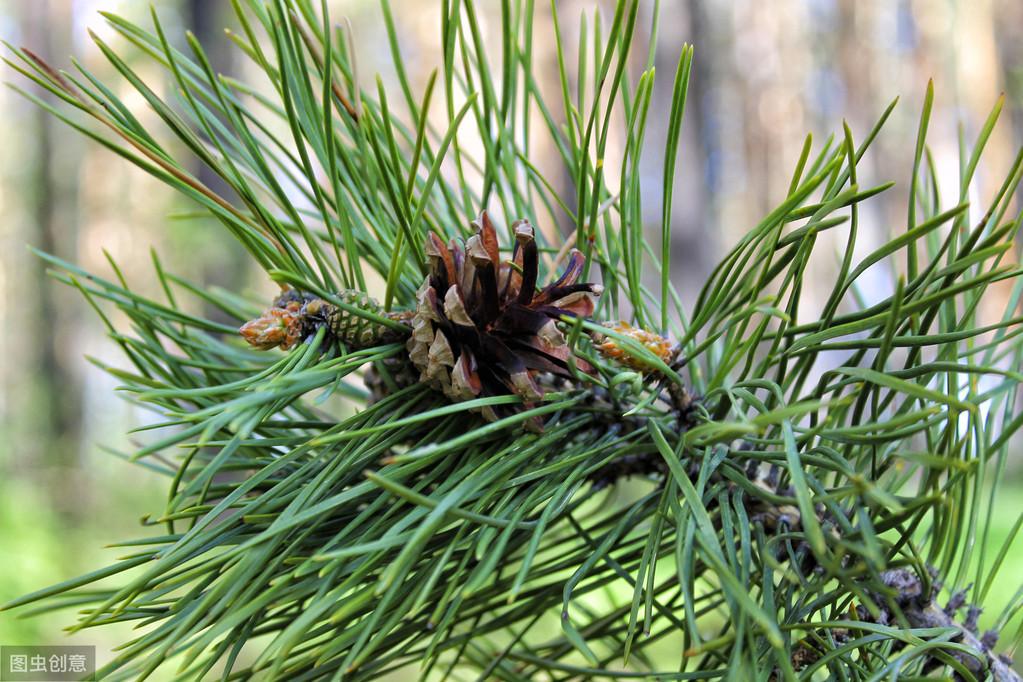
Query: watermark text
(47, 663)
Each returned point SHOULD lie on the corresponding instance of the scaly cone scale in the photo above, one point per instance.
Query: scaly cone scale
(481, 329)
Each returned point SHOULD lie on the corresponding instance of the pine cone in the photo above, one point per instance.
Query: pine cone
(481, 329)
(296, 316)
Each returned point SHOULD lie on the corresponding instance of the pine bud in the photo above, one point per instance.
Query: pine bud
(655, 343)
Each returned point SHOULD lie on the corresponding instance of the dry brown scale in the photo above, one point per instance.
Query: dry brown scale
(917, 603)
(916, 600)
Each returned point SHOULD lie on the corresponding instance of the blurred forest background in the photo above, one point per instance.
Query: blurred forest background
(765, 74)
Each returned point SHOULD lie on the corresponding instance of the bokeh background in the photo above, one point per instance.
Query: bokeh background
(766, 74)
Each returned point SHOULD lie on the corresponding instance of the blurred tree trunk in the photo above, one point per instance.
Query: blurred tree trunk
(207, 21)
(693, 237)
(1010, 58)
(50, 415)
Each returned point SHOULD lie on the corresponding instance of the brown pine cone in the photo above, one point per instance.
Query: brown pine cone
(482, 329)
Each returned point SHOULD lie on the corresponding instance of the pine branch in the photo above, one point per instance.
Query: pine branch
(756, 489)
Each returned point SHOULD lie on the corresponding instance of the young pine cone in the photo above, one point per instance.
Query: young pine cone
(295, 317)
(481, 329)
